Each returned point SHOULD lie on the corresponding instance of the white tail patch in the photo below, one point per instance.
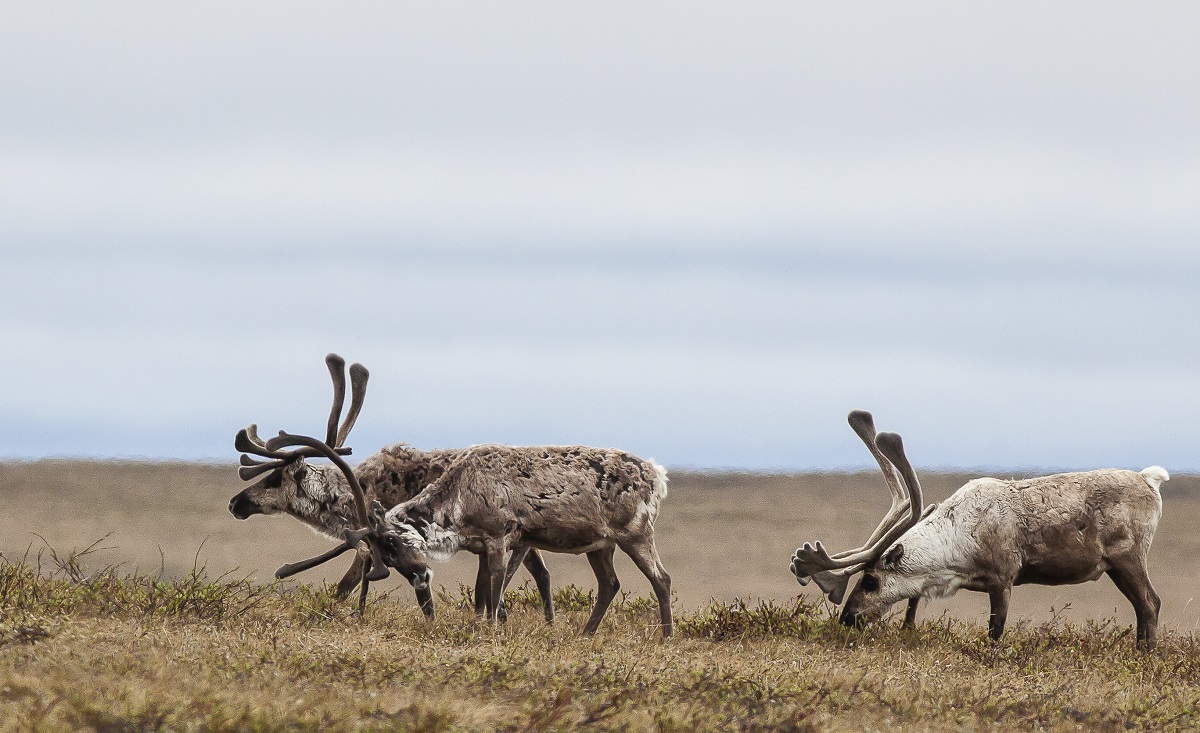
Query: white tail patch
(660, 480)
(1156, 476)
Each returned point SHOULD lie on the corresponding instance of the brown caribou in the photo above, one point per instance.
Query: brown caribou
(322, 496)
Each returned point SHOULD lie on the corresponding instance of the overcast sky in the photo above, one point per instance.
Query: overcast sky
(702, 232)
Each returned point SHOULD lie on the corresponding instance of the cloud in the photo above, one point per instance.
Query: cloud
(706, 366)
(698, 231)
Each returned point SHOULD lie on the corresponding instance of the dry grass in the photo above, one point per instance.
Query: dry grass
(107, 652)
(721, 536)
(139, 637)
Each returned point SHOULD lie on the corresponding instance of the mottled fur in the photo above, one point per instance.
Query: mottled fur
(992, 534)
(574, 499)
(322, 499)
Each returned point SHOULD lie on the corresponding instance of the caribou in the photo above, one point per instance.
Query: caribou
(493, 499)
(572, 499)
(328, 498)
(992, 534)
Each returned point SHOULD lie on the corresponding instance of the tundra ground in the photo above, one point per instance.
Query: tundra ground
(721, 536)
(147, 635)
(106, 652)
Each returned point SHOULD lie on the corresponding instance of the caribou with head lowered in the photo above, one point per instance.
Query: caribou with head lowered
(339, 502)
(575, 499)
(993, 534)
(491, 500)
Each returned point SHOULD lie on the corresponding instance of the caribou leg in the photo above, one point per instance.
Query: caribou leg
(364, 584)
(483, 581)
(515, 558)
(999, 612)
(910, 614)
(1129, 575)
(645, 555)
(494, 556)
(541, 576)
(607, 585)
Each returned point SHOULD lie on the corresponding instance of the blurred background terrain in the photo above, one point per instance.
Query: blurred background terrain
(721, 535)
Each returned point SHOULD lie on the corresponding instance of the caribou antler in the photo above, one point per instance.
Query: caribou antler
(832, 572)
(337, 372)
(864, 426)
(369, 531)
(286, 448)
(358, 389)
(892, 446)
(366, 526)
(335, 436)
(248, 442)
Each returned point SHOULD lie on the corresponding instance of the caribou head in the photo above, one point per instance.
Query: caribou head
(832, 573)
(293, 486)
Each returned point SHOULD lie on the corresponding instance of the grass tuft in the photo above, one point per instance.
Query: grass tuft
(738, 620)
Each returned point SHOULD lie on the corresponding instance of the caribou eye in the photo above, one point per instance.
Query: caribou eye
(274, 480)
(870, 583)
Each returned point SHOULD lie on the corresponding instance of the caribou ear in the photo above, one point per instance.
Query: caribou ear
(891, 558)
(301, 470)
(832, 585)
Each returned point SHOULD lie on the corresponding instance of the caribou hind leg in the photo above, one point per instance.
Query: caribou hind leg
(645, 556)
(1130, 576)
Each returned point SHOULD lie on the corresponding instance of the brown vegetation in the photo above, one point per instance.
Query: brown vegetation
(107, 652)
(128, 649)
(723, 536)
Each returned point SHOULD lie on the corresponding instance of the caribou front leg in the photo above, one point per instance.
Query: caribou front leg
(999, 611)
(483, 583)
(494, 551)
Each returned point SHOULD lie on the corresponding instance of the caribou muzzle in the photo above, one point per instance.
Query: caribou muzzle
(852, 619)
(421, 584)
(243, 507)
(421, 580)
